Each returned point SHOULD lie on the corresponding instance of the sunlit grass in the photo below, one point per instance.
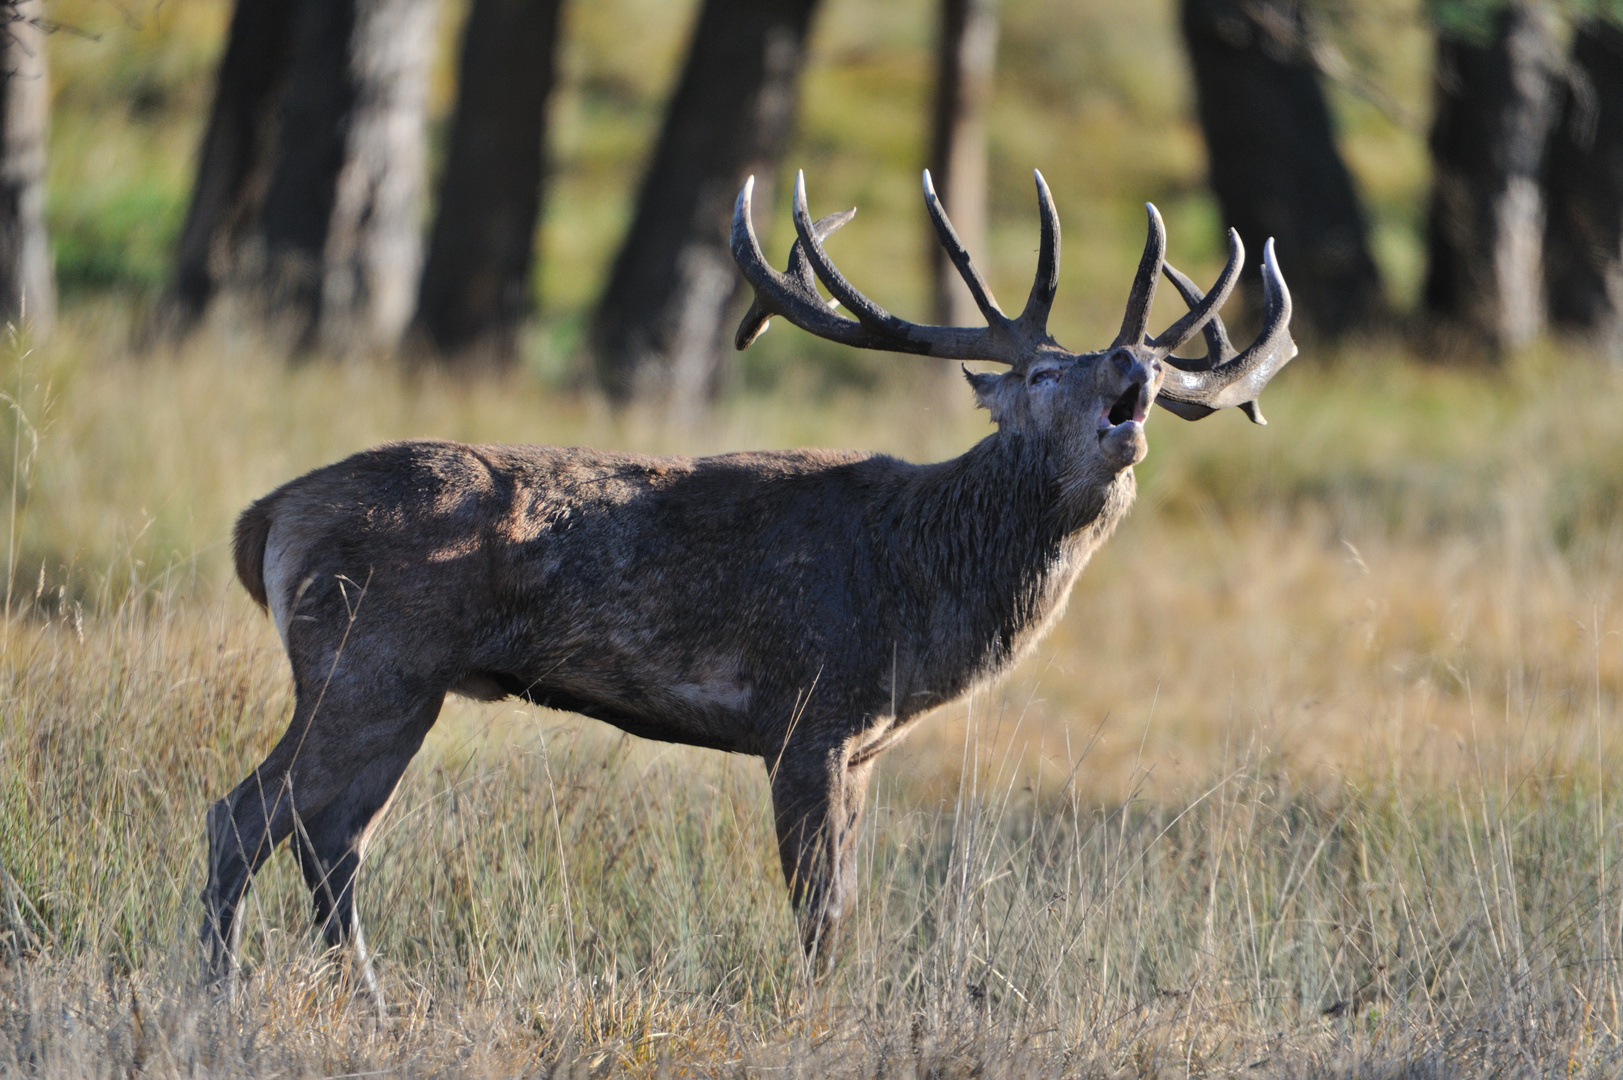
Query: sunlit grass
(544, 892)
(1330, 725)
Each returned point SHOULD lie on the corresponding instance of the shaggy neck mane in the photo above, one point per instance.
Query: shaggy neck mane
(986, 546)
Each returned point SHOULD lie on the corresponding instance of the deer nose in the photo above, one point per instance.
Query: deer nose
(1134, 369)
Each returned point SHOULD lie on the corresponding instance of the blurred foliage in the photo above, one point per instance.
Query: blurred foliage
(1473, 19)
(130, 87)
(1093, 92)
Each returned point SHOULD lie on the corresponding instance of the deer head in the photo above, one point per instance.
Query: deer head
(1092, 404)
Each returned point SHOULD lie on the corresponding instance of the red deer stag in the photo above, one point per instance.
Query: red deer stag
(803, 606)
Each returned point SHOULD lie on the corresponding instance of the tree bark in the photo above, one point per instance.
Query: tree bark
(27, 277)
(282, 263)
(476, 282)
(311, 171)
(966, 57)
(373, 251)
(231, 169)
(1273, 160)
(1495, 103)
(658, 332)
(1583, 182)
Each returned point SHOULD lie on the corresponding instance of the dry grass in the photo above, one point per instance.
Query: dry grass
(1316, 778)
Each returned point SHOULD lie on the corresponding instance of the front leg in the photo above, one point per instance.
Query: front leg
(817, 799)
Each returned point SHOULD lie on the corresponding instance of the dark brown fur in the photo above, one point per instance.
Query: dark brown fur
(248, 549)
(804, 607)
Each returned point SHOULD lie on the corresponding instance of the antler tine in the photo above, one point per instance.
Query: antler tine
(1034, 319)
(1203, 309)
(1235, 379)
(864, 309)
(1276, 307)
(960, 257)
(886, 331)
(793, 295)
(1218, 351)
(758, 318)
(1139, 299)
(1218, 348)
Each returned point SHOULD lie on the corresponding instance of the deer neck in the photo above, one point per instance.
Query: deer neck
(1011, 505)
(990, 544)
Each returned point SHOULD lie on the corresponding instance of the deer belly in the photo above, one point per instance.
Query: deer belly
(708, 707)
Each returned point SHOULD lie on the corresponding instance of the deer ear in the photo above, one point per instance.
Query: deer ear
(988, 390)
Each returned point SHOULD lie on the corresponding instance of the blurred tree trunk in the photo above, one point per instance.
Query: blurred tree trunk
(475, 286)
(1273, 160)
(1495, 102)
(1583, 181)
(338, 241)
(374, 252)
(658, 331)
(27, 279)
(966, 58)
(311, 170)
(283, 260)
(232, 161)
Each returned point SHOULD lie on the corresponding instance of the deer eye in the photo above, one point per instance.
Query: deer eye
(1044, 377)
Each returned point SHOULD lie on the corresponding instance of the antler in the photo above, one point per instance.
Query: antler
(793, 294)
(1224, 377)
(1193, 390)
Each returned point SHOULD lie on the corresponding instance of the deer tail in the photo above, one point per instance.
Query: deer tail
(248, 545)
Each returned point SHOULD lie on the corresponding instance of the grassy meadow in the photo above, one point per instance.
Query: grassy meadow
(1317, 777)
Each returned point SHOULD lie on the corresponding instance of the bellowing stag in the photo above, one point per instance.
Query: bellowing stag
(803, 606)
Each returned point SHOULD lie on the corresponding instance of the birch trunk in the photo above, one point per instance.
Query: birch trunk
(27, 276)
(373, 250)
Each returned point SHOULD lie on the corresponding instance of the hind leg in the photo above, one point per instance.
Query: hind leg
(331, 845)
(340, 727)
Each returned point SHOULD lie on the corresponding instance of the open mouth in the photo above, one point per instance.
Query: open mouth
(1132, 406)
